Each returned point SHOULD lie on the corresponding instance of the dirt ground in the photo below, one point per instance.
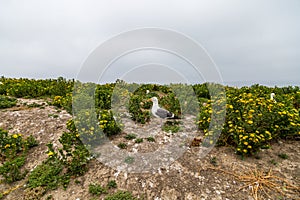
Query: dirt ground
(220, 175)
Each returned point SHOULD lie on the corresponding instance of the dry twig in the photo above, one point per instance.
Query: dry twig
(262, 182)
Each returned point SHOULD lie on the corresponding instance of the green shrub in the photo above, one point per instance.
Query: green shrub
(137, 109)
(122, 145)
(171, 126)
(130, 136)
(150, 139)
(97, 189)
(73, 154)
(139, 140)
(103, 96)
(120, 195)
(112, 184)
(7, 102)
(10, 170)
(253, 120)
(47, 175)
(13, 151)
(108, 124)
(283, 156)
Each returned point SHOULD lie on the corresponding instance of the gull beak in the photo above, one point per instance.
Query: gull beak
(149, 100)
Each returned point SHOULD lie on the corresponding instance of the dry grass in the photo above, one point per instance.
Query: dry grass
(263, 183)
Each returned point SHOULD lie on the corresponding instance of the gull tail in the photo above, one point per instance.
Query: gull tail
(173, 116)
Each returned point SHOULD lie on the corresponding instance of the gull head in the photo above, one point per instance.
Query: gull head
(154, 99)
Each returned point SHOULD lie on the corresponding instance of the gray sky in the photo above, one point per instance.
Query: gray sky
(249, 40)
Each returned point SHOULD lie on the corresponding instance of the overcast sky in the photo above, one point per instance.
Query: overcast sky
(255, 41)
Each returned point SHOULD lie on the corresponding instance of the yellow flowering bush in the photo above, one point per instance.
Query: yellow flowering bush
(108, 124)
(253, 119)
(13, 152)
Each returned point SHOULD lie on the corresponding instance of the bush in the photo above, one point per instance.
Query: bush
(97, 189)
(112, 184)
(108, 124)
(139, 140)
(130, 136)
(7, 102)
(10, 170)
(47, 175)
(171, 126)
(13, 150)
(138, 109)
(120, 195)
(253, 120)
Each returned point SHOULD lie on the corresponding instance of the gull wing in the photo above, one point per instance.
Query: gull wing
(162, 113)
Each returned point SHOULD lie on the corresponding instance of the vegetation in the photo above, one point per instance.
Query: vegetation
(97, 189)
(246, 117)
(121, 195)
(150, 139)
(130, 136)
(171, 126)
(7, 102)
(253, 120)
(13, 151)
(139, 140)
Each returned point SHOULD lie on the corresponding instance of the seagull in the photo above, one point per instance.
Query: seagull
(272, 97)
(160, 112)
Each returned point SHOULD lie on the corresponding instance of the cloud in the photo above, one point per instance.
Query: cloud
(248, 40)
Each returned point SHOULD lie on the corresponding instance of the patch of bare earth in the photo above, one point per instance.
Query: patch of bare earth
(221, 174)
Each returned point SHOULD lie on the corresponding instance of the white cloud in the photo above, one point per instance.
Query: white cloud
(249, 40)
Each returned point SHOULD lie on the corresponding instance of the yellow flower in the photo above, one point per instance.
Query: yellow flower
(245, 137)
(252, 135)
(249, 147)
(238, 149)
(245, 143)
(15, 136)
(250, 122)
(230, 106)
(251, 111)
(292, 123)
(8, 145)
(50, 153)
(245, 151)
